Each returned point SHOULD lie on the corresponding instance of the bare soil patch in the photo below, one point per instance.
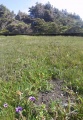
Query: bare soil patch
(56, 94)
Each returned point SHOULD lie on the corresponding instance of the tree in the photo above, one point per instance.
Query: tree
(74, 29)
(17, 27)
(48, 6)
(42, 11)
(37, 11)
(43, 19)
(38, 26)
(4, 12)
(6, 17)
(48, 16)
(41, 27)
(53, 28)
(21, 16)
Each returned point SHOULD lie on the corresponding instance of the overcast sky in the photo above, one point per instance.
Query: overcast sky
(73, 6)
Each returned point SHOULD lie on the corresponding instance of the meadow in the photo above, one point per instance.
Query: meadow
(28, 64)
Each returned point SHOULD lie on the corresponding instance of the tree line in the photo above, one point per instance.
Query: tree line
(42, 19)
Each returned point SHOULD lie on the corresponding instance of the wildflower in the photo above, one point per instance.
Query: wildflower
(31, 98)
(5, 105)
(19, 92)
(18, 109)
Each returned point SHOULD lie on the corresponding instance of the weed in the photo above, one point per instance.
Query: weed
(27, 64)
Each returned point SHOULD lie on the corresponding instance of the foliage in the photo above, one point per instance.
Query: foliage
(42, 19)
(23, 17)
(17, 27)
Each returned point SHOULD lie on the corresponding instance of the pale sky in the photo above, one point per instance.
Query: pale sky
(73, 6)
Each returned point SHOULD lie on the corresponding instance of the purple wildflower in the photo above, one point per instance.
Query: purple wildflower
(5, 105)
(18, 109)
(31, 98)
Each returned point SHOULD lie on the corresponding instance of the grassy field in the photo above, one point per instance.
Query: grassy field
(27, 64)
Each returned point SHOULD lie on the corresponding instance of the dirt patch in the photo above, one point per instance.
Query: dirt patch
(56, 94)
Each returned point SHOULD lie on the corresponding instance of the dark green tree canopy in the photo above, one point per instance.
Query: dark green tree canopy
(41, 19)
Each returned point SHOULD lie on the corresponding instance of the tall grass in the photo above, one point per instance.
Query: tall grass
(28, 63)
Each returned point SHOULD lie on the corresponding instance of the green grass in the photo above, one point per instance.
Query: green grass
(27, 63)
